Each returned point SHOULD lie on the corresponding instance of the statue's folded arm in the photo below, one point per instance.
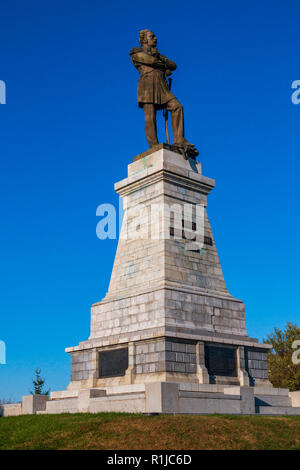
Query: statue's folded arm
(141, 58)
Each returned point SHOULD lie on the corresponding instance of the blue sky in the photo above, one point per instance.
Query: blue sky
(71, 125)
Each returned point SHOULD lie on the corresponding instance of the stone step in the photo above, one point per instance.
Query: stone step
(132, 388)
(65, 405)
(63, 394)
(265, 390)
(278, 410)
(272, 400)
(55, 412)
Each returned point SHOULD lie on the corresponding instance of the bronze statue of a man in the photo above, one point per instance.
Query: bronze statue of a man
(153, 92)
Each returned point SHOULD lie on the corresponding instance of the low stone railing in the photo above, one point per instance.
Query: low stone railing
(29, 406)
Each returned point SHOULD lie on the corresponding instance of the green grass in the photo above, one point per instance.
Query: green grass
(134, 431)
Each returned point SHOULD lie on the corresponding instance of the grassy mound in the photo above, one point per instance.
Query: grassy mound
(135, 432)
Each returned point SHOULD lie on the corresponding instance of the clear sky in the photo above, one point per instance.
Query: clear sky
(71, 125)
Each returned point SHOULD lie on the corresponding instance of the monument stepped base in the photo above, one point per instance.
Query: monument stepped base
(163, 397)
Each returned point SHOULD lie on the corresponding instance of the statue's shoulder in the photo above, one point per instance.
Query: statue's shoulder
(135, 50)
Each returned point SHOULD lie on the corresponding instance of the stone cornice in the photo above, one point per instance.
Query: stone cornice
(202, 185)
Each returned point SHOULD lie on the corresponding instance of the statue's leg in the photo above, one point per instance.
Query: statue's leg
(187, 149)
(150, 124)
(176, 110)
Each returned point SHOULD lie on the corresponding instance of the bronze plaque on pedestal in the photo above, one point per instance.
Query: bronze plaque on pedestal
(220, 361)
(113, 363)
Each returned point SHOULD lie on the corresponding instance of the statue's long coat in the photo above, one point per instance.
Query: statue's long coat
(152, 87)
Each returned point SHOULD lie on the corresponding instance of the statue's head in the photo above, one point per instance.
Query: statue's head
(148, 38)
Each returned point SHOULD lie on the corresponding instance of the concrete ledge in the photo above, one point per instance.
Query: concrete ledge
(246, 396)
(125, 389)
(162, 397)
(63, 394)
(84, 397)
(134, 403)
(273, 400)
(295, 398)
(167, 397)
(66, 405)
(194, 387)
(33, 403)
(279, 410)
(270, 391)
(11, 409)
(210, 395)
(170, 331)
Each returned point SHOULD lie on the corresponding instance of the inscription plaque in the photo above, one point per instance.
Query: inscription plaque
(220, 361)
(113, 363)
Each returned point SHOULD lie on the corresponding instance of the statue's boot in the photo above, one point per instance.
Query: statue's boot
(187, 149)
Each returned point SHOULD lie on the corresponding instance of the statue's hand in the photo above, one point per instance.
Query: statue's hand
(160, 64)
(168, 73)
(169, 64)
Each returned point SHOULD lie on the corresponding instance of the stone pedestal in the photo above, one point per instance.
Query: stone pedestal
(168, 337)
(167, 315)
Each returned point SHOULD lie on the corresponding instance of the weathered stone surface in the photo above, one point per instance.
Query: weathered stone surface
(156, 283)
(256, 365)
(33, 403)
(182, 397)
(163, 299)
(295, 398)
(80, 365)
(13, 409)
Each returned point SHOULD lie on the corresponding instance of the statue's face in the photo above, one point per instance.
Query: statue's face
(151, 39)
